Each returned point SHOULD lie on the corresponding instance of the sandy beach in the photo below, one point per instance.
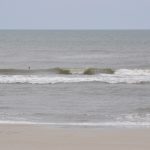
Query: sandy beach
(34, 137)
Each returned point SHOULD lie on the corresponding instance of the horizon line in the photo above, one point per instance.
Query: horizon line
(72, 29)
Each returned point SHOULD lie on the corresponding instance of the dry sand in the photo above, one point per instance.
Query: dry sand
(33, 137)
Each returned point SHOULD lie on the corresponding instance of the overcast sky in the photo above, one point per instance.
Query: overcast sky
(74, 14)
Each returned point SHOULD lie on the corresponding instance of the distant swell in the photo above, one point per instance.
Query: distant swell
(60, 75)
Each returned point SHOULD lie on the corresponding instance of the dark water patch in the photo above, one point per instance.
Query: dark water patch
(61, 70)
(92, 71)
(13, 71)
(40, 114)
(5, 107)
(143, 110)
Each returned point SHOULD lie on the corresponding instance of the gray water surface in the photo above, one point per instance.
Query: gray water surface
(81, 103)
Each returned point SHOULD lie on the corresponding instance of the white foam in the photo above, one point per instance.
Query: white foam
(135, 117)
(133, 72)
(81, 124)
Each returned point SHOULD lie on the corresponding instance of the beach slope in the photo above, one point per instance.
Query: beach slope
(34, 137)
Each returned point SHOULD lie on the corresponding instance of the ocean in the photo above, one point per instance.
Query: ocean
(79, 78)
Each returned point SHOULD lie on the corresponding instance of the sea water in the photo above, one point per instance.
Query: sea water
(89, 78)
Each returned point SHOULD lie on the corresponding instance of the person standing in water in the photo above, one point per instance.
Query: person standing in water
(29, 67)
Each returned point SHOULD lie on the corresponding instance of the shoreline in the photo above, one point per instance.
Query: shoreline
(113, 125)
(43, 137)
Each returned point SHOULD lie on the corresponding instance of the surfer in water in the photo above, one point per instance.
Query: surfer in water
(29, 67)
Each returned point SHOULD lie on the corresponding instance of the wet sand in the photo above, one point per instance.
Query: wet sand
(34, 137)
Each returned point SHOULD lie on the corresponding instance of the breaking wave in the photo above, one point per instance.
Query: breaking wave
(57, 70)
(61, 75)
(92, 71)
(138, 118)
